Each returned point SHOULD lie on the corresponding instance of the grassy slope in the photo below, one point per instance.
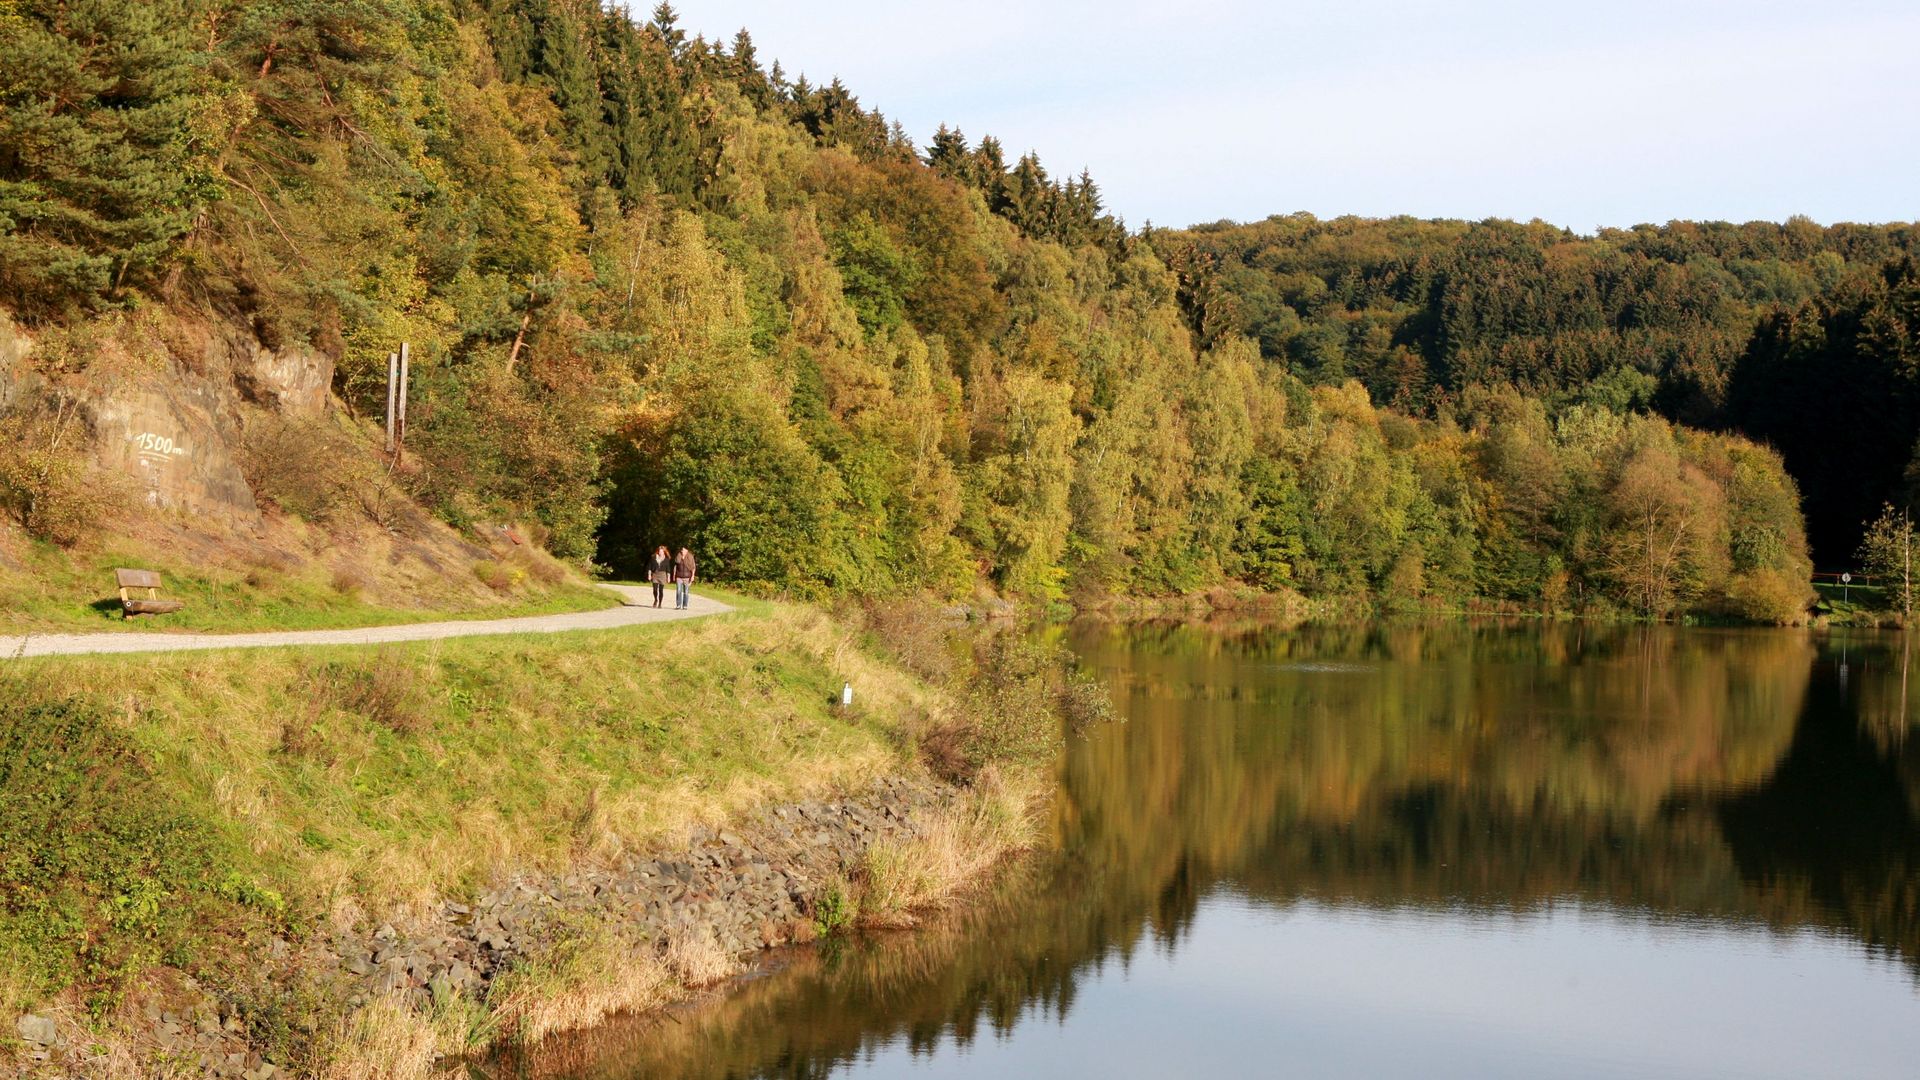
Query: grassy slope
(308, 785)
(301, 579)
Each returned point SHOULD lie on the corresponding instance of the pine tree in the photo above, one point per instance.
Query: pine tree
(666, 24)
(990, 173)
(101, 165)
(949, 156)
(743, 66)
(567, 62)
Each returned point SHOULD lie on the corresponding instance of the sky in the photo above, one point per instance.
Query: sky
(1581, 114)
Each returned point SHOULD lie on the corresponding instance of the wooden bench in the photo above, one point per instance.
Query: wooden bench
(150, 604)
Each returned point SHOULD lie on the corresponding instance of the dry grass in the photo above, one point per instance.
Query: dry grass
(115, 1046)
(952, 851)
(386, 1039)
(290, 574)
(697, 960)
(579, 982)
(367, 782)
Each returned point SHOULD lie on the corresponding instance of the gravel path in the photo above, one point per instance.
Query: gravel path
(636, 607)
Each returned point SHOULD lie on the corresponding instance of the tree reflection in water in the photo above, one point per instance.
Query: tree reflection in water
(1727, 776)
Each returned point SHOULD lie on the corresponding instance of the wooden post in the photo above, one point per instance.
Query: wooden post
(393, 395)
(400, 441)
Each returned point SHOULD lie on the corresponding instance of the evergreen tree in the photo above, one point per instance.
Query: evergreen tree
(949, 156)
(666, 26)
(109, 131)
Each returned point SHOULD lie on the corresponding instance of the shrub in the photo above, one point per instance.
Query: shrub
(1768, 596)
(301, 467)
(834, 909)
(48, 485)
(1084, 702)
(350, 580)
(321, 472)
(1013, 701)
(1020, 698)
(917, 635)
(499, 577)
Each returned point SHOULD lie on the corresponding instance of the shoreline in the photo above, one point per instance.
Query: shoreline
(539, 956)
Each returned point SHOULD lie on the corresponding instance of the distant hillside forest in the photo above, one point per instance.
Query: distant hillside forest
(659, 291)
(1799, 336)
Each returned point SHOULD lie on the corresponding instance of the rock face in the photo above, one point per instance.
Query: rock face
(180, 439)
(172, 413)
(293, 380)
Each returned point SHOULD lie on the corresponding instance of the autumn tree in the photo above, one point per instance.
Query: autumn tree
(1886, 552)
(1663, 517)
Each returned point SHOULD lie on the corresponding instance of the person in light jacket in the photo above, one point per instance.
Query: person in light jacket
(682, 578)
(660, 571)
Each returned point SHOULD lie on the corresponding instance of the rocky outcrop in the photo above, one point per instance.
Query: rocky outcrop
(293, 380)
(180, 438)
(169, 405)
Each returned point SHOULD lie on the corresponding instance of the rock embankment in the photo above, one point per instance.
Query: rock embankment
(752, 887)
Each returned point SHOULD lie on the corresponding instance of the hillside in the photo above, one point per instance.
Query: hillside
(207, 854)
(1796, 335)
(658, 291)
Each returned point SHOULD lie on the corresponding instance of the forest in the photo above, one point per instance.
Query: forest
(1795, 335)
(659, 290)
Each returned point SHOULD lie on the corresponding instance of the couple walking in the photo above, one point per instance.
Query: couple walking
(677, 569)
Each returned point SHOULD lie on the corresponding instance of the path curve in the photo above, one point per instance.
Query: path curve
(635, 608)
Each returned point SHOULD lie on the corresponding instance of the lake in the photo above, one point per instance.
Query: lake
(1529, 850)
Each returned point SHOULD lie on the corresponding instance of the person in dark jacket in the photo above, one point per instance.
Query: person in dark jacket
(682, 578)
(660, 571)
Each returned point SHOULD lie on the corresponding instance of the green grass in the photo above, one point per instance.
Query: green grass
(60, 592)
(156, 809)
(1853, 604)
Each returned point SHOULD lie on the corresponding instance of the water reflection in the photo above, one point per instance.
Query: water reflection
(1685, 812)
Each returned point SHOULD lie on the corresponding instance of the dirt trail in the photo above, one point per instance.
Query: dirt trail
(636, 607)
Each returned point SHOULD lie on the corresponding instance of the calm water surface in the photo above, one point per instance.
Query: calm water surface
(1556, 851)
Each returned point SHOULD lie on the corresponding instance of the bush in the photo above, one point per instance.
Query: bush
(1084, 702)
(499, 577)
(1768, 596)
(1019, 699)
(48, 485)
(917, 635)
(1014, 703)
(321, 472)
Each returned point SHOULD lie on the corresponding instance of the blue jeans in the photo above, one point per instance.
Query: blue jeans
(680, 592)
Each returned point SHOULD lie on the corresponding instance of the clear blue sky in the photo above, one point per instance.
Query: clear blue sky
(1584, 114)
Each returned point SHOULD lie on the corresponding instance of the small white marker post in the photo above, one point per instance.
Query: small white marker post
(846, 695)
